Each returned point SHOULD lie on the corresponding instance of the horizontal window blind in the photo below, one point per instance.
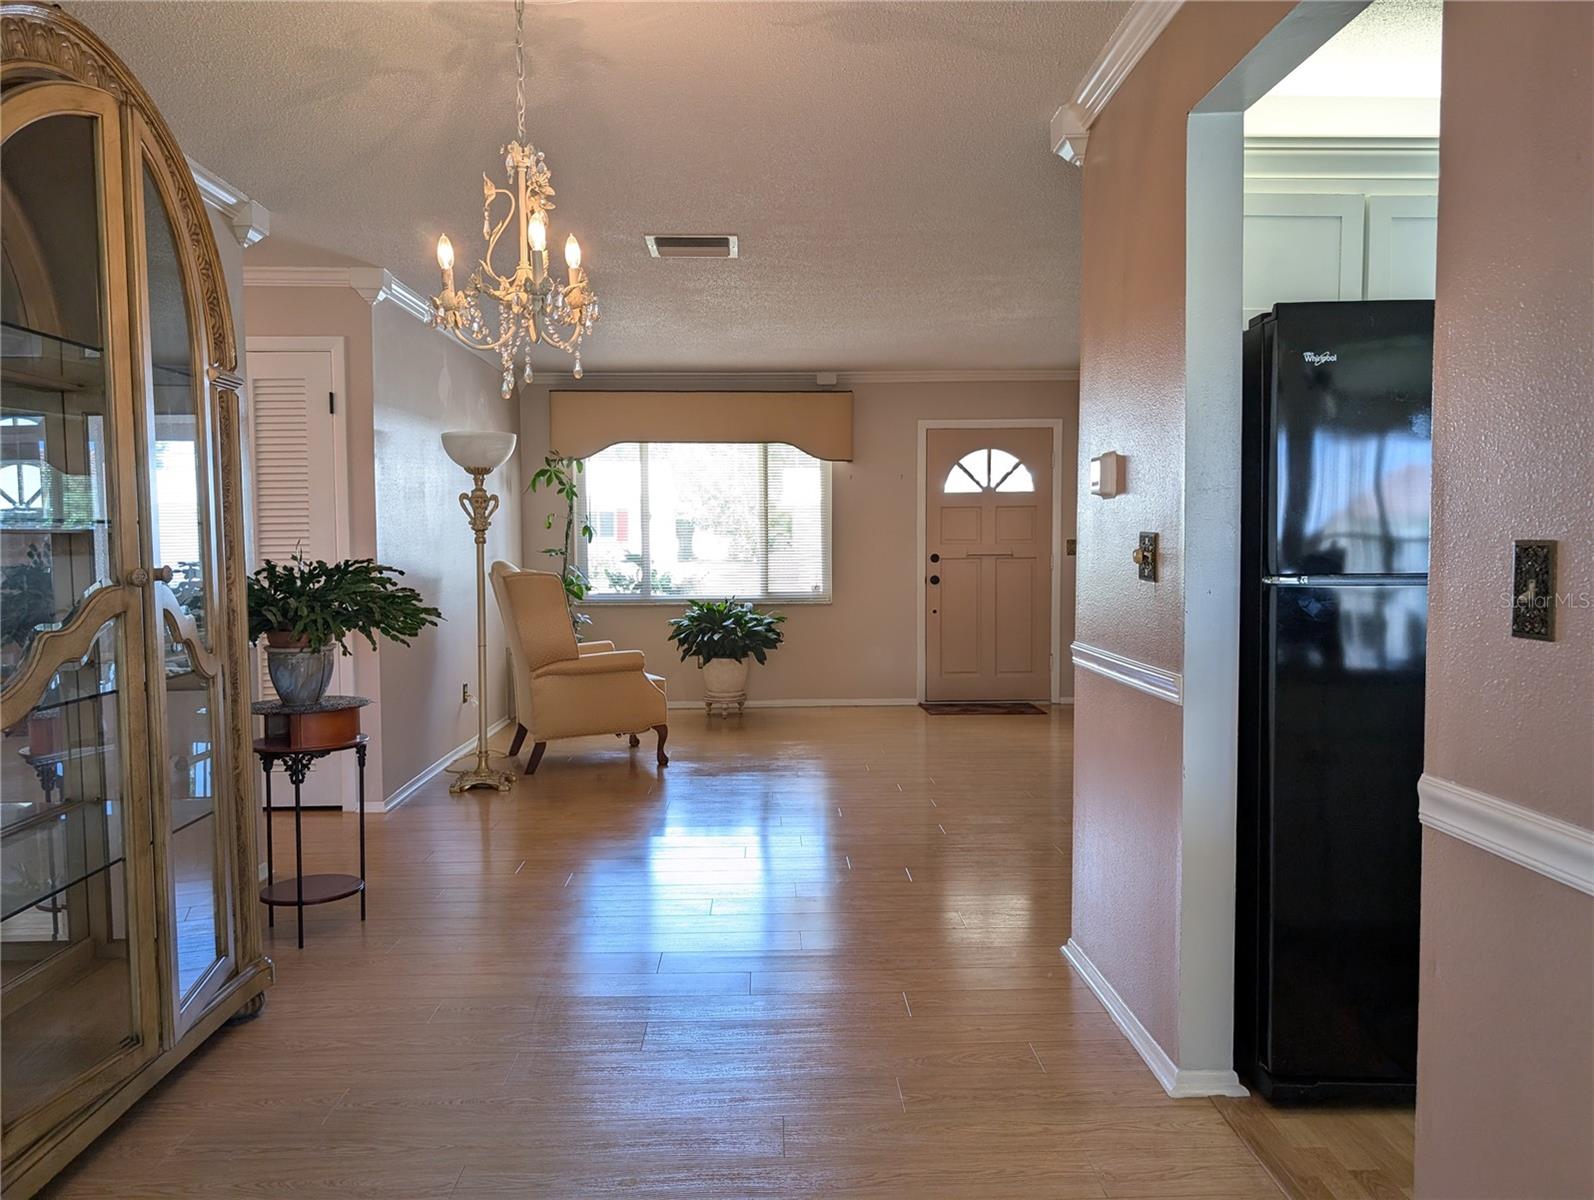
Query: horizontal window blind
(680, 520)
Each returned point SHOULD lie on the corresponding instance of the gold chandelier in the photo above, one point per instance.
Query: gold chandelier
(532, 307)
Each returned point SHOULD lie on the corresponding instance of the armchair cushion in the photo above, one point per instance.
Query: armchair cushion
(601, 663)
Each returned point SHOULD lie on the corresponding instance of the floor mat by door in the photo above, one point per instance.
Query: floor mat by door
(966, 708)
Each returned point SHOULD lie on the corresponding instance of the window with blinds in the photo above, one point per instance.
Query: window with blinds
(680, 520)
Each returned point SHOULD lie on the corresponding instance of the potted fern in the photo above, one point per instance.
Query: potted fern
(722, 635)
(305, 611)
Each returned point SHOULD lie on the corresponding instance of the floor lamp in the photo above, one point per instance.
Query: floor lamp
(480, 453)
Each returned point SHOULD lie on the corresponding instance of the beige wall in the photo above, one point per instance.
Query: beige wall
(424, 385)
(340, 312)
(406, 384)
(1505, 1097)
(862, 645)
(1128, 759)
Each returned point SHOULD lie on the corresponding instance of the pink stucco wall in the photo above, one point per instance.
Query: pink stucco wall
(1505, 1094)
(1128, 757)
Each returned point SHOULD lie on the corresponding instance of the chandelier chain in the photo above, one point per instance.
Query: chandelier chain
(520, 68)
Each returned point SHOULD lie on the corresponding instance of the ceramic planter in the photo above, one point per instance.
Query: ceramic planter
(301, 676)
(724, 685)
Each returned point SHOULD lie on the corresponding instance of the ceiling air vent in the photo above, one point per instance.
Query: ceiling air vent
(697, 245)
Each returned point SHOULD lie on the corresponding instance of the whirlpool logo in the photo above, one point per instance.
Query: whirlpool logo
(1317, 358)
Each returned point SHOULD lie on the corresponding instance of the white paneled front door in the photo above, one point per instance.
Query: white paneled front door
(988, 574)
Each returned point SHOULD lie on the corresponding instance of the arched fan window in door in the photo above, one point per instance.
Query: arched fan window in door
(988, 470)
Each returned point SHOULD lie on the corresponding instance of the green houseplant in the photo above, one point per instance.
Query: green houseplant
(558, 474)
(722, 635)
(307, 609)
(27, 599)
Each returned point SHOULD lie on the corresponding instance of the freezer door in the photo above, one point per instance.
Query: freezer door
(1343, 746)
(1349, 438)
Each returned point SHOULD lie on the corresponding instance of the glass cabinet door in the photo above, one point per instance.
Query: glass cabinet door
(188, 704)
(74, 901)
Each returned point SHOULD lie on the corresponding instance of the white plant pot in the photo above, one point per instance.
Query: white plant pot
(724, 685)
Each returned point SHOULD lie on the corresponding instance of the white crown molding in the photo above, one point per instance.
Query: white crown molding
(1554, 848)
(1341, 158)
(1143, 677)
(377, 284)
(374, 285)
(1141, 26)
(799, 381)
(1178, 1082)
(250, 221)
(296, 276)
(972, 375)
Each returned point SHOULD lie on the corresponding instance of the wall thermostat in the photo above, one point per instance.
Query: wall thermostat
(1107, 474)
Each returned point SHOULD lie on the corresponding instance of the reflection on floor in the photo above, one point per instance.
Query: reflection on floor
(816, 956)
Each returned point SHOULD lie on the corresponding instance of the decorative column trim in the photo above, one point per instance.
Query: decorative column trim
(250, 221)
(1141, 26)
(1556, 849)
(1143, 677)
(375, 284)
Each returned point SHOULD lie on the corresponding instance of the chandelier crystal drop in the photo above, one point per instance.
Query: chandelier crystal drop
(532, 306)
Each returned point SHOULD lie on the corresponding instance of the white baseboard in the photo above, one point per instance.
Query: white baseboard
(403, 793)
(1554, 848)
(842, 703)
(1179, 1083)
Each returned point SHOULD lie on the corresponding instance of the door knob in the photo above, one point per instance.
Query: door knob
(164, 574)
(137, 577)
(935, 579)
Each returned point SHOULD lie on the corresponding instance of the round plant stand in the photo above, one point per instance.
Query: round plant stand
(296, 737)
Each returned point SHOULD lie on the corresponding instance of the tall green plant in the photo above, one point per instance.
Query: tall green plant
(558, 474)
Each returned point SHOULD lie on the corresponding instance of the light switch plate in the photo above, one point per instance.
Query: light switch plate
(1533, 590)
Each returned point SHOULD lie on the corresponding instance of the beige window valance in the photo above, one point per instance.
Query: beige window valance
(817, 423)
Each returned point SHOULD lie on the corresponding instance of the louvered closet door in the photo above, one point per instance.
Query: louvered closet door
(299, 486)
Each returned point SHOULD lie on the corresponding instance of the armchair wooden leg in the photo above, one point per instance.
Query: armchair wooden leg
(536, 757)
(520, 739)
(635, 741)
(664, 732)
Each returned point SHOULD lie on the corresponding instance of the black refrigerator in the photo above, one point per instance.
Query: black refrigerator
(1333, 625)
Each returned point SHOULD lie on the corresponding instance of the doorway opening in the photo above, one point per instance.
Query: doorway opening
(1312, 178)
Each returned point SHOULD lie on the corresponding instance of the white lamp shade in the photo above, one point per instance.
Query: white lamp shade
(479, 449)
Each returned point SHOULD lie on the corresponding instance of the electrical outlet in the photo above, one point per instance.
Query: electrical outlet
(464, 693)
(1533, 590)
(1145, 557)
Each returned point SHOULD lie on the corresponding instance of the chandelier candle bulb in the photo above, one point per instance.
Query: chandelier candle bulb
(445, 260)
(572, 256)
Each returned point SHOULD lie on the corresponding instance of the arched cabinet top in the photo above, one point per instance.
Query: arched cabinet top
(40, 42)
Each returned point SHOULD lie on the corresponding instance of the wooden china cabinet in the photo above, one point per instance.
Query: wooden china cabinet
(129, 931)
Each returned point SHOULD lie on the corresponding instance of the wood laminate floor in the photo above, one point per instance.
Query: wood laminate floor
(816, 956)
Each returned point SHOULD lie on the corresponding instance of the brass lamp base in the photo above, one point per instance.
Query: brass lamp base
(480, 777)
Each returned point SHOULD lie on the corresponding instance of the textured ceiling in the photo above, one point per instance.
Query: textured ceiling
(885, 165)
(1377, 77)
(1390, 49)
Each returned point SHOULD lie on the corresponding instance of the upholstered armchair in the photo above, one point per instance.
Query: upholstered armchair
(564, 688)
